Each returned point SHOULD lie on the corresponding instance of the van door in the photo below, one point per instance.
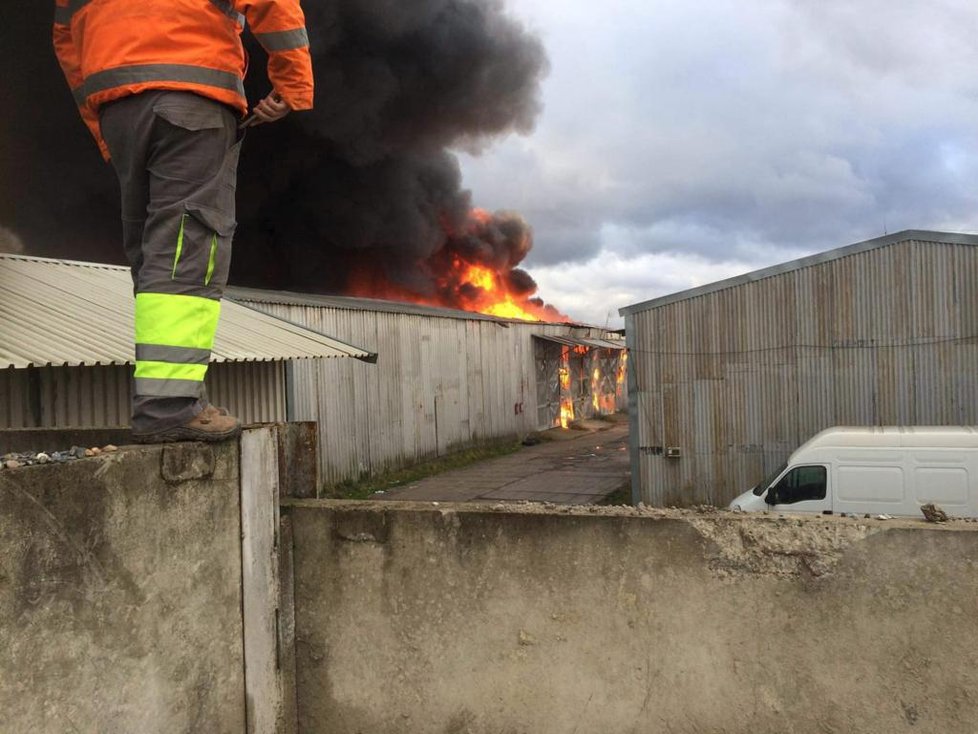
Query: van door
(802, 489)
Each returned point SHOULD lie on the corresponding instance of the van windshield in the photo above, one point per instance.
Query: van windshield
(766, 482)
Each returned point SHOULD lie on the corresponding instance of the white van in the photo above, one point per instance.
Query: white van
(885, 470)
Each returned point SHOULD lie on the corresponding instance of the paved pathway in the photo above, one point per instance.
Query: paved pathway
(574, 469)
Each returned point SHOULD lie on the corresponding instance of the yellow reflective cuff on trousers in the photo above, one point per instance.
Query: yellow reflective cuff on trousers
(171, 371)
(176, 320)
(174, 336)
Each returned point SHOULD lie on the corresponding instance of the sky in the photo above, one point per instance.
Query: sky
(682, 142)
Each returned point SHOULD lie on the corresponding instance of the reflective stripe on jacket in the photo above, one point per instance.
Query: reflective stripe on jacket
(113, 48)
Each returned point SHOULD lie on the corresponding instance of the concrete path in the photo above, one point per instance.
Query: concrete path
(576, 468)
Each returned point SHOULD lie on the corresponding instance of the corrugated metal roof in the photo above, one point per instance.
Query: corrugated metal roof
(351, 303)
(577, 341)
(60, 312)
(289, 298)
(909, 235)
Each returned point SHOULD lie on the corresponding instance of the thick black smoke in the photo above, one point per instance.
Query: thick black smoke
(366, 176)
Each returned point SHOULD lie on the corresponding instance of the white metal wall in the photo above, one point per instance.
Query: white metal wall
(98, 396)
(739, 378)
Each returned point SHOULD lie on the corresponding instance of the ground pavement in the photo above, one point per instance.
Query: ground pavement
(576, 467)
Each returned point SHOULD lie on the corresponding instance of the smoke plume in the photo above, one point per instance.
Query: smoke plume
(361, 190)
(10, 242)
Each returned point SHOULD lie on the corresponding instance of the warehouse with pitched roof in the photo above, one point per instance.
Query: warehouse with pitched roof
(726, 380)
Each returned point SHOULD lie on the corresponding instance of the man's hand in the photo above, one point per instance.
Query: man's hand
(270, 109)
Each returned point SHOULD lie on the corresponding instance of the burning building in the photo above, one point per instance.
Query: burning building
(444, 379)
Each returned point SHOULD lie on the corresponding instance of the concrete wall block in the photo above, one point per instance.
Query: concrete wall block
(266, 582)
(120, 602)
(459, 620)
(183, 462)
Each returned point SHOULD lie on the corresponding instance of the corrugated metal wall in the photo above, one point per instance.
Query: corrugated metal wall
(739, 378)
(63, 397)
(439, 384)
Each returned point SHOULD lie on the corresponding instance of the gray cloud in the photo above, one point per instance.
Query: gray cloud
(748, 132)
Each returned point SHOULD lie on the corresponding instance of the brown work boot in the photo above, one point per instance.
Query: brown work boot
(211, 424)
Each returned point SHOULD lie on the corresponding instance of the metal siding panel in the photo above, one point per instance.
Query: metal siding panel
(477, 377)
(452, 430)
(15, 410)
(389, 419)
(66, 397)
(461, 368)
(360, 379)
(254, 392)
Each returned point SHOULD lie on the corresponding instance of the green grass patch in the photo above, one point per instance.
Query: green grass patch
(621, 496)
(361, 489)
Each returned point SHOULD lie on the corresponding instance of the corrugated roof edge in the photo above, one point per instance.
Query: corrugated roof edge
(907, 235)
(62, 261)
(304, 331)
(367, 356)
(574, 341)
(352, 303)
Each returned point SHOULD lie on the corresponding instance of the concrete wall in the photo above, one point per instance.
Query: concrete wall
(453, 620)
(120, 601)
(121, 609)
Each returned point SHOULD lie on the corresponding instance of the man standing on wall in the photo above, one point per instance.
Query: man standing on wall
(160, 85)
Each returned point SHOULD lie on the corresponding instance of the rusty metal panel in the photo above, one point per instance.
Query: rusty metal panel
(739, 376)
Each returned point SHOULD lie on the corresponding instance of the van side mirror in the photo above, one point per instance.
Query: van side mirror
(771, 497)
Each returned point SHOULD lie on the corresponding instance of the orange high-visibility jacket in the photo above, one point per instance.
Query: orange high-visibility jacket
(113, 48)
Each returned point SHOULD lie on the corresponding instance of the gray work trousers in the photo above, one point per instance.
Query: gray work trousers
(176, 156)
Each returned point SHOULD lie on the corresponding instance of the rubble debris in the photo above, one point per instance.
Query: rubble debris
(933, 513)
(808, 547)
(30, 458)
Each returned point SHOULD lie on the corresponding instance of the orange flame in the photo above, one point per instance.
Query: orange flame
(460, 284)
(596, 390)
(566, 401)
(607, 388)
(493, 298)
